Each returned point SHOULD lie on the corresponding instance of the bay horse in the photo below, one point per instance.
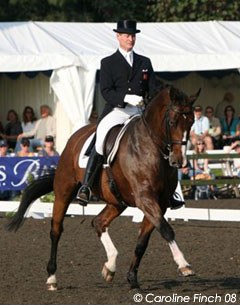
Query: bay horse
(145, 173)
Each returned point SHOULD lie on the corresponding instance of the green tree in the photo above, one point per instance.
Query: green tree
(113, 10)
(192, 10)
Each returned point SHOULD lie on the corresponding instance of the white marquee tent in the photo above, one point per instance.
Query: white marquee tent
(74, 50)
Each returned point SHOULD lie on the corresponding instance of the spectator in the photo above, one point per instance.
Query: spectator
(45, 126)
(200, 165)
(201, 171)
(215, 129)
(186, 172)
(227, 100)
(12, 129)
(4, 149)
(28, 123)
(48, 149)
(236, 161)
(230, 126)
(28, 119)
(200, 129)
(4, 194)
(25, 152)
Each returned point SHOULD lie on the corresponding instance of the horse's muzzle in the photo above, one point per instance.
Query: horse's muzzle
(175, 161)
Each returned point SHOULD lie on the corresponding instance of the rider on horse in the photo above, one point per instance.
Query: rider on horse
(127, 82)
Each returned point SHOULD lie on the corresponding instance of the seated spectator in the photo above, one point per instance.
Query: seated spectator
(200, 128)
(228, 99)
(200, 165)
(12, 129)
(236, 161)
(215, 130)
(28, 123)
(24, 151)
(185, 172)
(6, 194)
(4, 149)
(230, 126)
(48, 149)
(201, 171)
(45, 126)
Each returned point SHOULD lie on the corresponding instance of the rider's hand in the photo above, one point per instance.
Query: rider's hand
(133, 99)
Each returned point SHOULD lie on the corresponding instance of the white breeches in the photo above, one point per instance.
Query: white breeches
(115, 117)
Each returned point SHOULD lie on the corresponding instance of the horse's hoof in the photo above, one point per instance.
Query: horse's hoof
(134, 286)
(107, 274)
(132, 280)
(52, 283)
(52, 287)
(186, 271)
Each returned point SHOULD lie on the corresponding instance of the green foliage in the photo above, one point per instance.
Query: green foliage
(192, 10)
(48, 197)
(113, 10)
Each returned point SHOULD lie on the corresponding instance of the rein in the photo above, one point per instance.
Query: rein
(167, 141)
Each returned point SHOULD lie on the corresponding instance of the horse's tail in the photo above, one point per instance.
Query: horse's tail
(33, 191)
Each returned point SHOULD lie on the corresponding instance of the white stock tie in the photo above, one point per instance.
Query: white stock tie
(129, 58)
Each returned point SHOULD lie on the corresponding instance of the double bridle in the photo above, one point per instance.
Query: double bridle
(167, 141)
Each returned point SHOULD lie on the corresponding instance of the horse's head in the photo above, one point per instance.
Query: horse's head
(172, 118)
(179, 119)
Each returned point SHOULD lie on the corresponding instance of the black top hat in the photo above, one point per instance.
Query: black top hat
(127, 26)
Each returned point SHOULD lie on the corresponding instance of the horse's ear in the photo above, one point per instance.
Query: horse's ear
(194, 97)
(173, 93)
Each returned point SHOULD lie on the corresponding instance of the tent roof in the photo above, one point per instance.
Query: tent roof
(183, 46)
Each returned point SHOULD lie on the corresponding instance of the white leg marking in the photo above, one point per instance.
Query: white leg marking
(52, 282)
(178, 255)
(110, 250)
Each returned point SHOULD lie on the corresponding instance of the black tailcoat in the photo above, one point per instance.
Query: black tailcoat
(118, 78)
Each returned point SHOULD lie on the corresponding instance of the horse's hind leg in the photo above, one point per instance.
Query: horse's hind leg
(59, 211)
(168, 234)
(142, 243)
(101, 223)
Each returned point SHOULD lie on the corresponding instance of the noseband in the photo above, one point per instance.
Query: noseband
(167, 141)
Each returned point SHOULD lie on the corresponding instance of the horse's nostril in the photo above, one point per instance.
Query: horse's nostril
(175, 164)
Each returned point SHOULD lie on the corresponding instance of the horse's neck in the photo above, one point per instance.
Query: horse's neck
(154, 119)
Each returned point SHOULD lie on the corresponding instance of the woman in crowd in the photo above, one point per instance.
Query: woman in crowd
(25, 152)
(48, 149)
(230, 124)
(12, 129)
(28, 124)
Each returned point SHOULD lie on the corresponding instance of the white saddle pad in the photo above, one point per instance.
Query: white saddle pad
(83, 159)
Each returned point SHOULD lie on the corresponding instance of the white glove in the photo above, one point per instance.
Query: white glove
(133, 99)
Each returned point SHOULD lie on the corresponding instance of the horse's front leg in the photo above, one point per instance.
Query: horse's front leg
(156, 217)
(168, 234)
(142, 243)
(101, 224)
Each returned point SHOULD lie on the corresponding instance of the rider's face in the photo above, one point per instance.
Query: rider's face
(126, 41)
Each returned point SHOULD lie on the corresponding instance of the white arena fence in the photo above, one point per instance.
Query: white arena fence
(40, 210)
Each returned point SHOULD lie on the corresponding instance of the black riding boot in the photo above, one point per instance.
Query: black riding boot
(93, 166)
(176, 202)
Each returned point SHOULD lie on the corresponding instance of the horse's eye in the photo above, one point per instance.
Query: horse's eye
(171, 123)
